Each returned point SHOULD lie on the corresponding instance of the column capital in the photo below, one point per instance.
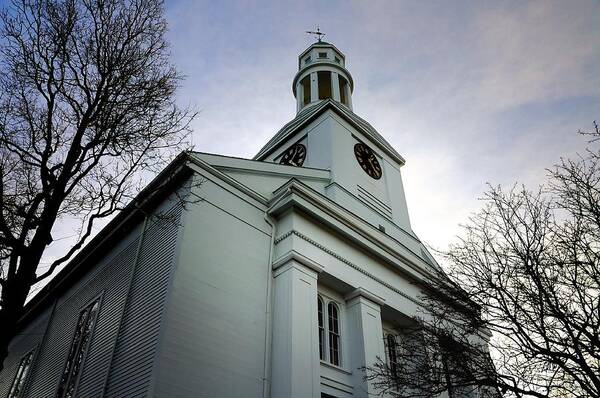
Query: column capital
(292, 257)
(365, 294)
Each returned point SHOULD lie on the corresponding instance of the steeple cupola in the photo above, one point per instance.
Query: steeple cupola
(322, 74)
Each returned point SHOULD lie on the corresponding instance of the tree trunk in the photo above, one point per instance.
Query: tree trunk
(8, 320)
(14, 296)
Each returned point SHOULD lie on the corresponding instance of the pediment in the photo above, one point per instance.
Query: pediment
(309, 114)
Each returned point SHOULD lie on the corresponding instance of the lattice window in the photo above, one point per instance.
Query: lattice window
(321, 330)
(18, 384)
(334, 333)
(330, 345)
(79, 346)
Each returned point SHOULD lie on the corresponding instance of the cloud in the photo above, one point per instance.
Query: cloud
(468, 92)
(538, 51)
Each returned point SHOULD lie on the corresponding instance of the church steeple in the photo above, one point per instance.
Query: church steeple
(322, 74)
(326, 134)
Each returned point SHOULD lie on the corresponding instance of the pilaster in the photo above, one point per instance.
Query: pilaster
(295, 354)
(349, 95)
(335, 86)
(314, 87)
(366, 338)
(299, 97)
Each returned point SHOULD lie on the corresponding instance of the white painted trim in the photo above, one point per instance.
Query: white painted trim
(227, 179)
(361, 292)
(293, 255)
(296, 194)
(349, 263)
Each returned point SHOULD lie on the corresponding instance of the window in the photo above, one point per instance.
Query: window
(343, 95)
(307, 60)
(322, 55)
(321, 331)
(18, 384)
(79, 345)
(334, 334)
(336, 59)
(305, 83)
(392, 353)
(324, 78)
(329, 332)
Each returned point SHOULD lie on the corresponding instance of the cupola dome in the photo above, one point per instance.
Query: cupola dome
(322, 74)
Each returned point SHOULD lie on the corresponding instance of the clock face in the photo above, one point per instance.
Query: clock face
(294, 155)
(367, 160)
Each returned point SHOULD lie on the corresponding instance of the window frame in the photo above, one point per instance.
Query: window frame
(19, 375)
(88, 305)
(326, 358)
(321, 327)
(392, 363)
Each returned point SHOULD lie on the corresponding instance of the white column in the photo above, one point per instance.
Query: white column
(335, 86)
(366, 340)
(348, 95)
(314, 87)
(295, 354)
(299, 96)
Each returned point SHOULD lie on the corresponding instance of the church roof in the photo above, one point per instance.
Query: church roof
(310, 113)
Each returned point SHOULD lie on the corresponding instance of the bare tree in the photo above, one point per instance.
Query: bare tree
(86, 105)
(523, 287)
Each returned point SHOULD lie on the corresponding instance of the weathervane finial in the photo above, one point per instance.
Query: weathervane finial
(316, 33)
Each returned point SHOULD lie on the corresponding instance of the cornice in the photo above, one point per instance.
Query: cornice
(347, 262)
(293, 255)
(361, 292)
(296, 194)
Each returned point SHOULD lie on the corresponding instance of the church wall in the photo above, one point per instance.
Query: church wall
(133, 363)
(346, 267)
(28, 339)
(346, 261)
(130, 308)
(346, 171)
(103, 279)
(330, 145)
(265, 184)
(214, 338)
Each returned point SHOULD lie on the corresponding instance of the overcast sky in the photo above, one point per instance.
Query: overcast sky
(468, 92)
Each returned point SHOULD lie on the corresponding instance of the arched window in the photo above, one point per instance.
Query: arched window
(321, 330)
(324, 80)
(328, 316)
(334, 333)
(392, 348)
(305, 83)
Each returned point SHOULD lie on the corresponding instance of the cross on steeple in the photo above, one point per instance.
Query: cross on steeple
(316, 33)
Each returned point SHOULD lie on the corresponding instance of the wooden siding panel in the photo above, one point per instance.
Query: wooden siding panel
(28, 339)
(110, 280)
(131, 370)
(214, 332)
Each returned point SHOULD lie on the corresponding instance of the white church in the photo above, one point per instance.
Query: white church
(282, 275)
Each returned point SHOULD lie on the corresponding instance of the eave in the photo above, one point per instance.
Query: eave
(172, 175)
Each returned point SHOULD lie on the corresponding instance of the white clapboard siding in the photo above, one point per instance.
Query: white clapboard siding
(108, 280)
(132, 364)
